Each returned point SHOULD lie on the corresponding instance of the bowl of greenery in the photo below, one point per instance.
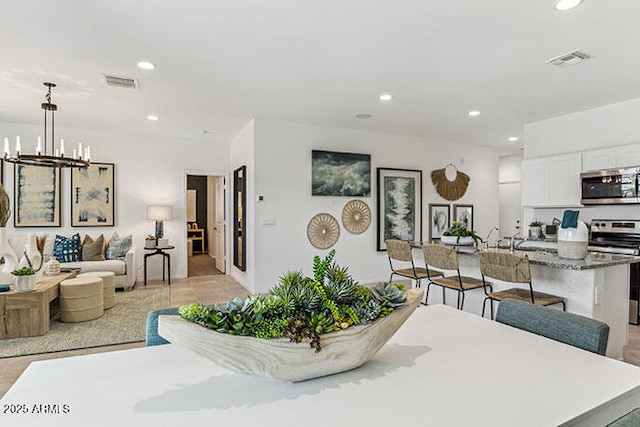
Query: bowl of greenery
(24, 279)
(458, 234)
(305, 327)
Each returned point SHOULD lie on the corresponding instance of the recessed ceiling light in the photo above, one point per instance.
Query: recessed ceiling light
(386, 97)
(513, 139)
(363, 116)
(152, 117)
(146, 65)
(563, 5)
(474, 113)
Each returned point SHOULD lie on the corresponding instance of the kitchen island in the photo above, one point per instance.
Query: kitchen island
(596, 287)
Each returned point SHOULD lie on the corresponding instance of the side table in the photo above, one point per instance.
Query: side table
(165, 257)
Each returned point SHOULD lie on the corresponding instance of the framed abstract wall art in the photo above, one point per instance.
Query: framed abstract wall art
(464, 214)
(439, 220)
(36, 196)
(93, 196)
(399, 205)
(340, 174)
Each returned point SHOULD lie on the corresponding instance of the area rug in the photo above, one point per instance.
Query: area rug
(124, 323)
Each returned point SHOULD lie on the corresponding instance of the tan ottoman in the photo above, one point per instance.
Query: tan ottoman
(81, 299)
(108, 286)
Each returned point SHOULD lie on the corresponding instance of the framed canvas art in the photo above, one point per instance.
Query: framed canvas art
(36, 196)
(93, 196)
(439, 220)
(399, 205)
(464, 214)
(340, 174)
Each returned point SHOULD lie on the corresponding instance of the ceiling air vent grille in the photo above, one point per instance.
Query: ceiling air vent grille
(121, 81)
(568, 59)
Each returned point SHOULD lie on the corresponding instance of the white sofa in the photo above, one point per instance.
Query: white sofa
(125, 270)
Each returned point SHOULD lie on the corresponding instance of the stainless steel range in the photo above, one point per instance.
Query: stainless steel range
(622, 237)
(615, 236)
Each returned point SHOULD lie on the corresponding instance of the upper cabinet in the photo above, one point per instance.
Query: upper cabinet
(552, 181)
(596, 160)
(627, 155)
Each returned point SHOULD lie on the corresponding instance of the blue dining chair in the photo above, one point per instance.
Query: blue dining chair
(152, 337)
(579, 331)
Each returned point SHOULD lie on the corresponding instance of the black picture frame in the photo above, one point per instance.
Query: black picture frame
(399, 205)
(93, 196)
(464, 213)
(240, 218)
(340, 174)
(439, 220)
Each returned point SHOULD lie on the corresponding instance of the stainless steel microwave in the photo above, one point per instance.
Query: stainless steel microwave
(610, 187)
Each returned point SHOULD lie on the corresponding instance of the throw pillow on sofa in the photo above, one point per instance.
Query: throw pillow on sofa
(93, 250)
(117, 248)
(67, 249)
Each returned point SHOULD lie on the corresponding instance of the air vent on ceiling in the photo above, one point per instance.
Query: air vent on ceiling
(568, 59)
(121, 81)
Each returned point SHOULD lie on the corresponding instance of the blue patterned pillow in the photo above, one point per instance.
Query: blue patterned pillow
(67, 249)
(117, 248)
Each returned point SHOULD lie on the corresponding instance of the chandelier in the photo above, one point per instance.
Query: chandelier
(55, 157)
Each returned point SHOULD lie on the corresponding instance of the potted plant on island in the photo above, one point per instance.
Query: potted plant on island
(24, 279)
(535, 228)
(458, 234)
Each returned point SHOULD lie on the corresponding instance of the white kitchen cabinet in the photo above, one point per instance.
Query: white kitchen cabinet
(552, 181)
(627, 155)
(595, 160)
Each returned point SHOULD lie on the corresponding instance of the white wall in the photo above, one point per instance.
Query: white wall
(283, 177)
(611, 125)
(149, 170)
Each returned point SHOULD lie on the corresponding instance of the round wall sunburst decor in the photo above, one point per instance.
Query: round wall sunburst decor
(356, 216)
(323, 231)
(450, 190)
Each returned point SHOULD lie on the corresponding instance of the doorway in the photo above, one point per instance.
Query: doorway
(205, 225)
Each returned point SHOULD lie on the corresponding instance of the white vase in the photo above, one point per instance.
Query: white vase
(52, 267)
(24, 283)
(453, 240)
(10, 258)
(31, 251)
(573, 241)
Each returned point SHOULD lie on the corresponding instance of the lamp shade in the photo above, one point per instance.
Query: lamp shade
(159, 212)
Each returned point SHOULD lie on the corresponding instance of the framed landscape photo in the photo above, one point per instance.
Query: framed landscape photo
(439, 220)
(93, 196)
(340, 174)
(399, 205)
(36, 196)
(464, 214)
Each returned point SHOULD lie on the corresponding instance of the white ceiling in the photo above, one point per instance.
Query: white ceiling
(220, 63)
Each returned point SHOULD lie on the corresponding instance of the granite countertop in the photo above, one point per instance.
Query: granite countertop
(551, 259)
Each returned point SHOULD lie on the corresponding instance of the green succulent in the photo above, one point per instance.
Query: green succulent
(321, 322)
(369, 311)
(459, 229)
(390, 294)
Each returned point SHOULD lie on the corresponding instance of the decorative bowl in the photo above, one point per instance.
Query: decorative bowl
(453, 240)
(283, 360)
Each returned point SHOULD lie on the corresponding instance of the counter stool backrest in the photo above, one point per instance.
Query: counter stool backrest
(505, 266)
(440, 256)
(399, 250)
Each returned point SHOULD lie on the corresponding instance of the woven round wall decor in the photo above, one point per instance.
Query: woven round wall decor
(323, 231)
(356, 216)
(450, 190)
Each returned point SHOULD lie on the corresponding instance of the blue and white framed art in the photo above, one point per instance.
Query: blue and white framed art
(36, 196)
(92, 196)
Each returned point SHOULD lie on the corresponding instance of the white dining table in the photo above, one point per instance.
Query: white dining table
(444, 367)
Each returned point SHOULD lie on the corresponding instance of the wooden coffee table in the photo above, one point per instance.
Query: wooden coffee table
(27, 314)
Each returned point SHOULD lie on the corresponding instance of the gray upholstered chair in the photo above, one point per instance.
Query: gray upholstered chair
(579, 331)
(446, 258)
(402, 264)
(152, 337)
(632, 419)
(511, 268)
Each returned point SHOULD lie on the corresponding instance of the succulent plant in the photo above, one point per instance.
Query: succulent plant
(369, 311)
(321, 322)
(389, 293)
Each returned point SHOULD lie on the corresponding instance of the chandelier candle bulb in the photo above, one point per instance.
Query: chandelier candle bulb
(57, 153)
(39, 147)
(80, 149)
(18, 147)
(75, 154)
(62, 147)
(6, 146)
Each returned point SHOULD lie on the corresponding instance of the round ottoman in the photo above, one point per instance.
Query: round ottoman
(81, 299)
(108, 286)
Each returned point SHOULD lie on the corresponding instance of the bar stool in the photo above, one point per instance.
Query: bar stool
(512, 268)
(402, 264)
(446, 258)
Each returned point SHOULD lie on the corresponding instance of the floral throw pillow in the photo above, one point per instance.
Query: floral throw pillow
(117, 248)
(67, 249)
